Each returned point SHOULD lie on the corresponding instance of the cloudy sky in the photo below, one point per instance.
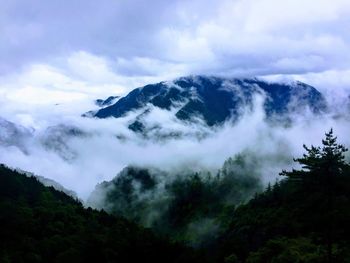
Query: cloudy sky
(84, 48)
(57, 56)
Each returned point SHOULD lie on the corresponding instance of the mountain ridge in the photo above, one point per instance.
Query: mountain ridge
(216, 99)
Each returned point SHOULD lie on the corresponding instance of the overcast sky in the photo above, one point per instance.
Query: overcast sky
(57, 56)
(57, 51)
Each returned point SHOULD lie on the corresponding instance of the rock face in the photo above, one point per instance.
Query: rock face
(216, 100)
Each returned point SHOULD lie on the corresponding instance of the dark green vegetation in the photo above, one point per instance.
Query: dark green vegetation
(302, 218)
(189, 207)
(40, 224)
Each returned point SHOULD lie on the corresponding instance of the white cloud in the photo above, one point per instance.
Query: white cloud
(100, 155)
(180, 37)
(55, 52)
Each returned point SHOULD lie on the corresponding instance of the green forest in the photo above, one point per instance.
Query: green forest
(302, 217)
(40, 224)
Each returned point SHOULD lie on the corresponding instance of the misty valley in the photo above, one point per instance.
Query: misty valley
(198, 169)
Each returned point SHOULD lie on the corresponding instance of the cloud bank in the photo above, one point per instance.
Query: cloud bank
(81, 152)
(249, 37)
(54, 52)
(57, 57)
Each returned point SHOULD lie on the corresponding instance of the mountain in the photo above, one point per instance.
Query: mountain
(215, 100)
(15, 135)
(54, 138)
(41, 224)
(107, 102)
(57, 186)
(57, 139)
(304, 217)
(189, 207)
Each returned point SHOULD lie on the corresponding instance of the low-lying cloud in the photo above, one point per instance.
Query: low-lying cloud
(81, 152)
(58, 57)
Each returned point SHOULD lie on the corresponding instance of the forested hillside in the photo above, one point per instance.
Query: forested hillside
(304, 217)
(186, 206)
(40, 224)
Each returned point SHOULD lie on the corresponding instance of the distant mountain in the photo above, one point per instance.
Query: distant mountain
(56, 138)
(215, 100)
(12, 134)
(48, 182)
(182, 204)
(107, 102)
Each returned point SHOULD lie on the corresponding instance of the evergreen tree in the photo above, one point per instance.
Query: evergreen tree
(321, 169)
(320, 164)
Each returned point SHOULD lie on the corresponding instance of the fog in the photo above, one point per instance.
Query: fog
(80, 152)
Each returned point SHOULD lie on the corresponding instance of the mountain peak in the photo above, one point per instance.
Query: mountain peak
(217, 99)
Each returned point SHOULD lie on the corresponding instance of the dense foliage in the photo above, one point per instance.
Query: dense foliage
(303, 218)
(193, 208)
(40, 224)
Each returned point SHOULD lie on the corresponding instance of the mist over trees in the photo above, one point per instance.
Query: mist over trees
(226, 217)
(191, 207)
(302, 218)
(175, 131)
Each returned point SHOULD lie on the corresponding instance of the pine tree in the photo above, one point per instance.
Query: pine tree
(322, 167)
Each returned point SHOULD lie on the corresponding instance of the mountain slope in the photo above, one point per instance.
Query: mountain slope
(302, 218)
(216, 100)
(12, 134)
(106, 102)
(186, 206)
(40, 224)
